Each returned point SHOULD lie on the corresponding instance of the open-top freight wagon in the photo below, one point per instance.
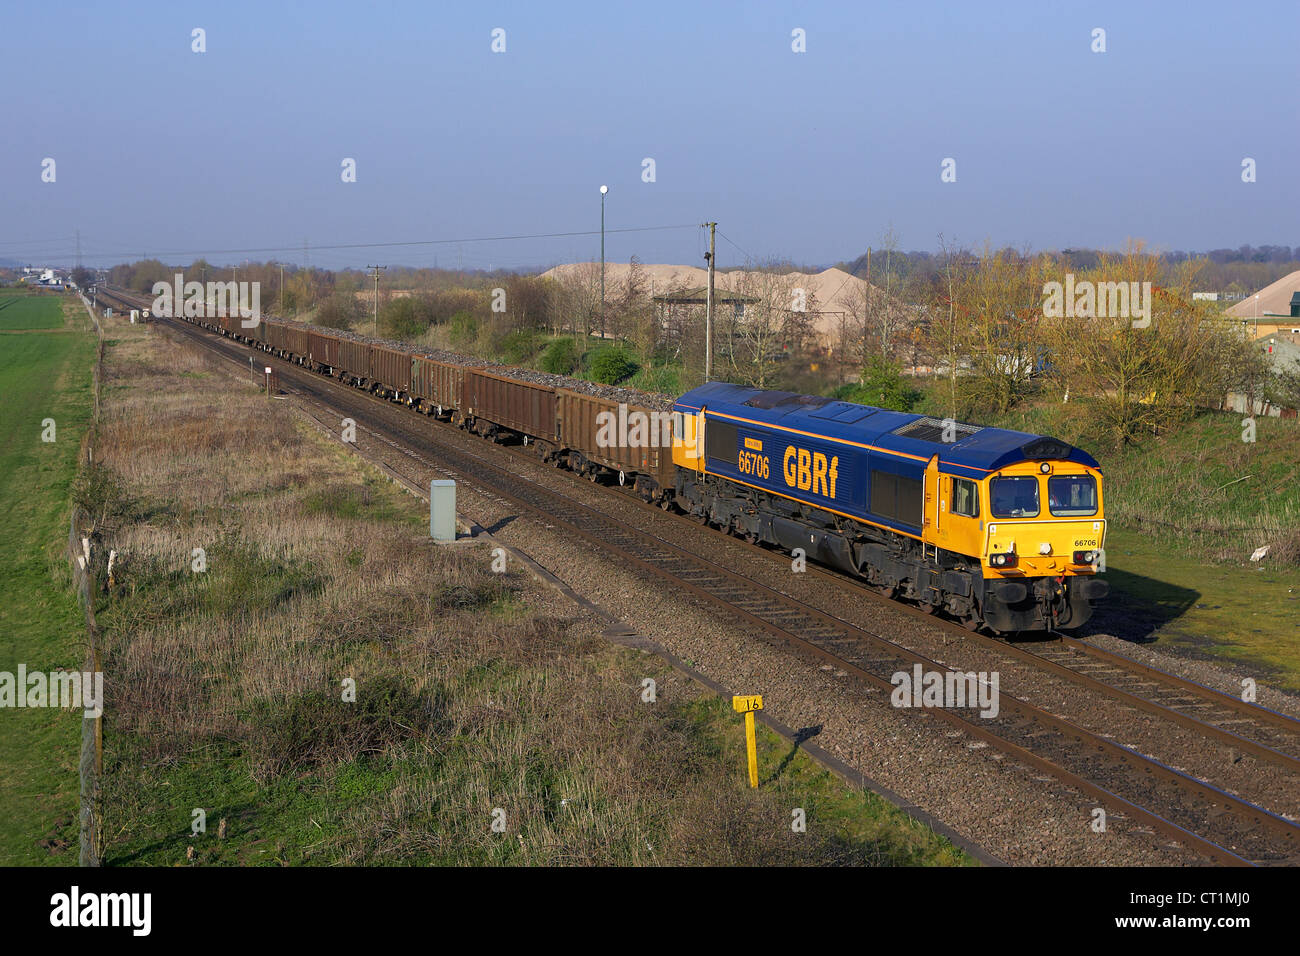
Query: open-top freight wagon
(436, 386)
(594, 436)
(631, 442)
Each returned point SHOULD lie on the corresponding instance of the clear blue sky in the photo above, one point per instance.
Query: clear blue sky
(808, 156)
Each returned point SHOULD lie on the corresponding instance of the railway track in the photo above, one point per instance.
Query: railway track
(1223, 828)
(1245, 727)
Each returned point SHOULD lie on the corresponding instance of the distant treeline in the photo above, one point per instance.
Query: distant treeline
(1243, 270)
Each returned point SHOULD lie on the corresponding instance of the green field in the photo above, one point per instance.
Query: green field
(26, 311)
(42, 375)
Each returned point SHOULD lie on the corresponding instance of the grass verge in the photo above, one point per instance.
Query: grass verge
(43, 375)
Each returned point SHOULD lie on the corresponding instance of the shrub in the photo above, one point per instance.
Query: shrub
(445, 304)
(102, 495)
(339, 311)
(317, 728)
(883, 386)
(666, 378)
(609, 366)
(463, 329)
(401, 318)
(560, 357)
(519, 346)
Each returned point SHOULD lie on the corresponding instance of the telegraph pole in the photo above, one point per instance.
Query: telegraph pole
(375, 275)
(708, 307)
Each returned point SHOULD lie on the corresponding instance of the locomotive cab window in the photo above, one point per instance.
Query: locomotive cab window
(965, 498)
(1072, 496)
(1014, 497)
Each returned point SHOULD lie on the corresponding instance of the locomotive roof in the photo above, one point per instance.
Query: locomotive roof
(976, 451)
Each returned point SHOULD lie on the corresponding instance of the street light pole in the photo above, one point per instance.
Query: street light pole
(603, 191)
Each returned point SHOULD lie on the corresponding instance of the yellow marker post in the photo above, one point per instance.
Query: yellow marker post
(746, 705)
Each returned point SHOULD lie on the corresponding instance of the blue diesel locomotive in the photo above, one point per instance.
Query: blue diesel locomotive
(996, 527)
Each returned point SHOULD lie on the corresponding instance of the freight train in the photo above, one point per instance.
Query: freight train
(998, 529)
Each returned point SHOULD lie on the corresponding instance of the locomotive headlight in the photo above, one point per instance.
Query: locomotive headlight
(1045, 468)
(1003, 559)
(1085, 557)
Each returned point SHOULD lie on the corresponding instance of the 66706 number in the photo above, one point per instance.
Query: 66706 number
(751, 464)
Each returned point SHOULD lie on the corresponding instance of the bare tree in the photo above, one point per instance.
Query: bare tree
(780, 321)
(877, 322)
(578, 299)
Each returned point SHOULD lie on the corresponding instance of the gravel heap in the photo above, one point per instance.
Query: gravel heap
(613, 393)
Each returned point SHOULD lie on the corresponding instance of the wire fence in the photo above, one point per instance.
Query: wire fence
(85, 575)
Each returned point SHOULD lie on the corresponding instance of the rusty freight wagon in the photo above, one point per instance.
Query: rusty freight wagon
(436, 385)
(324, 349)
(274, 337)
(493, 402)
(626, 442)
(354, 362)
(390, 371)
(256, 334)
(295, 341)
